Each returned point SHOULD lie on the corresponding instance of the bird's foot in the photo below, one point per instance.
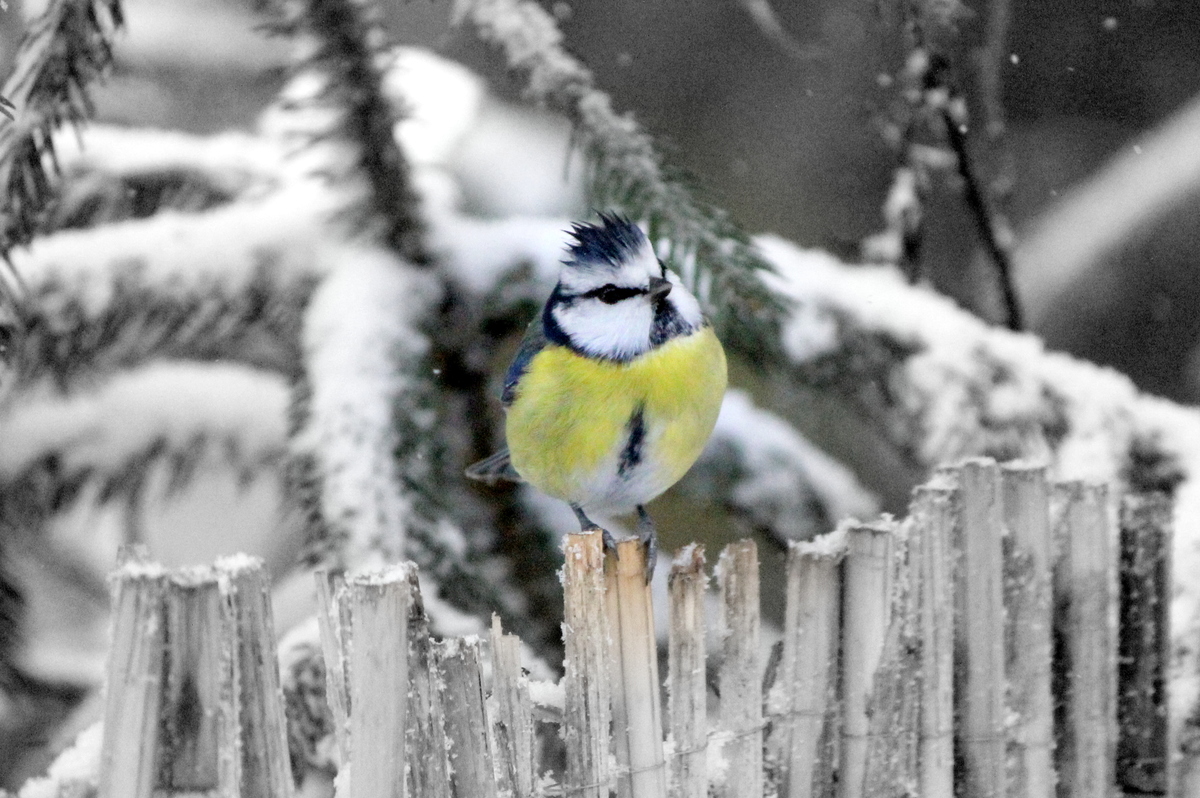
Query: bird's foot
(649, 538)
(588, 525)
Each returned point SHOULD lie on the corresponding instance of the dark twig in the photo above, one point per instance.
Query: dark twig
(985, 220)
(338, 39)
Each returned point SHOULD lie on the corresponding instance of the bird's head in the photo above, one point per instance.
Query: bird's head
(615, 299)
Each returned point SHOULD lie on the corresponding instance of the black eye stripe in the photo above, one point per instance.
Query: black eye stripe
(612, 294)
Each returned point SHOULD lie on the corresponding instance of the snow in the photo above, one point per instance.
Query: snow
(232, 160)
(831, 544)
(74, 772)
(214, 253)
(478, 253)
(441, 101)
(361, 338)
(177, 404)
(548, 695)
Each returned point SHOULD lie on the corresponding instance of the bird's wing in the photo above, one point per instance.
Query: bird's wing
(497, 468)
(534, 342)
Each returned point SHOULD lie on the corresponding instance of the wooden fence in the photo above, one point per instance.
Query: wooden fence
(1008, 638)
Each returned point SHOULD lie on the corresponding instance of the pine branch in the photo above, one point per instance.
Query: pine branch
(188, 414)
(627, 175)
(338, 40)
(66, 49)
(227, 283)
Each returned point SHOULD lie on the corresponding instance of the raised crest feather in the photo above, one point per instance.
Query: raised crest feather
(614, 239)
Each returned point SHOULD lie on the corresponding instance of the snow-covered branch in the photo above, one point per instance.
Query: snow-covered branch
(167, 409)
(230, 282)
(365, 411)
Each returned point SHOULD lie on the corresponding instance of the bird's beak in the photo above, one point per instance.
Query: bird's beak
(659, 288)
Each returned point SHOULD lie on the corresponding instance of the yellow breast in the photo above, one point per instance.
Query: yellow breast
(570, 418)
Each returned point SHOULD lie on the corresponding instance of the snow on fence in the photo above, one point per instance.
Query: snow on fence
(1003, 640)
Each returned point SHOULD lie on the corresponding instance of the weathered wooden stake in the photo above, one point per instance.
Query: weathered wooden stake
(194, 704)
(1083, 587)
(261, 726)
(1026, 500)
(979, 601)
(637, 712)
(687, 691)
(866, 601)
(1144, 644)
(586, 678)
(936, 514)
(740, 677)
(511, 714)
(429, 764)
(129, 754)
(333, 618)
(803, 702)
(378, 675)
(461, 688)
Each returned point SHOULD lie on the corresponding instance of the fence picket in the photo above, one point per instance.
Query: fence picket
(512, 718)
(461, 687)
(1083, 592)
(134, 685)
(936, 513)
(687, 695)
(1145, 639)
(740, 677)
(637, 712)
(979, 599)
(429, 767)
(866, 583)
(906, 648)
(804, 700)
(586, 681)
(1026, 501)
(378, 676)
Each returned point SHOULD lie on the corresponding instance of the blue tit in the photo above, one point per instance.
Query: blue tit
(617, 384)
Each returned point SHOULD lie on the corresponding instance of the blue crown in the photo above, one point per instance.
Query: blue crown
(610, 241)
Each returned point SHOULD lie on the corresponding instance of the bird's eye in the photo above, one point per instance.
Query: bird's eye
(612, 294)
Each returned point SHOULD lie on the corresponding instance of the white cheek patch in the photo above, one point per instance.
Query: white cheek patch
(617, 331)
(684, 303)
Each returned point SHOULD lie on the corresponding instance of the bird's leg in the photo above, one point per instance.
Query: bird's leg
(649, 538)
(587, 525)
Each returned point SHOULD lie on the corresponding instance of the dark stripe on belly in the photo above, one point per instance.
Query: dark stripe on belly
(631, 454)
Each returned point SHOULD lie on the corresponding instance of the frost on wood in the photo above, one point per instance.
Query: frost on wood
(366, 416)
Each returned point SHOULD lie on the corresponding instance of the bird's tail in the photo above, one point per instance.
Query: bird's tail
(494, 469)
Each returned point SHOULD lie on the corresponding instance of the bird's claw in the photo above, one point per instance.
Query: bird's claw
(649, 539)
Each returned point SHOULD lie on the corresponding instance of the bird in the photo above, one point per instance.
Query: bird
(616, 386)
